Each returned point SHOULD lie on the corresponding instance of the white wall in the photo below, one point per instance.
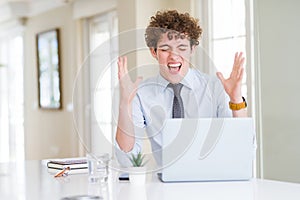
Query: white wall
(134, 15)
(278, 44)
(279, 41)
(53, 134)
(145, 9)
(49, 133)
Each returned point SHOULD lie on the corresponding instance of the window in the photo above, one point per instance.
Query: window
(227, 30)
(103, 78)
(11, 99)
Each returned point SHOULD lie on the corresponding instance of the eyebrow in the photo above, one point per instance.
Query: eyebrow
(163, 45)
(166, 45)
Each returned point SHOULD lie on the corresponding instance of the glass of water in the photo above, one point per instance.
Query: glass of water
(98, 167)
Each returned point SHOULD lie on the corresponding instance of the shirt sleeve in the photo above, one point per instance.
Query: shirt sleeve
(123, 157)
(139, 131)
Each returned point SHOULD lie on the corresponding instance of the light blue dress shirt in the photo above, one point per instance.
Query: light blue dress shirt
(202, 95)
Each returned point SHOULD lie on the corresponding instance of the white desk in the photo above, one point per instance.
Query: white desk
(31, 181)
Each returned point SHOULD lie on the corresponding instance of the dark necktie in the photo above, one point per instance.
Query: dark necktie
(178, 110)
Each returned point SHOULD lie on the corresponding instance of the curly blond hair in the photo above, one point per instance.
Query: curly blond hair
(175, 24)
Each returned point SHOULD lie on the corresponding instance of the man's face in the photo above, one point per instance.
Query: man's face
(173, 56)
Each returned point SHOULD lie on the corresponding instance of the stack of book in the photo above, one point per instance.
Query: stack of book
(76, 165)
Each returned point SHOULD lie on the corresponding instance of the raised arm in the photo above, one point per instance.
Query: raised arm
(233, 85)
(125, 136)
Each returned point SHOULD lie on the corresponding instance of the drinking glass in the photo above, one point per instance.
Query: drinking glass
(98, 167)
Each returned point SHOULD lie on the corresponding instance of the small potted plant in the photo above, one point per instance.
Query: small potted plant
(137, 173)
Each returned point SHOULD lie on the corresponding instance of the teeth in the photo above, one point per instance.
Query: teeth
(174, 65)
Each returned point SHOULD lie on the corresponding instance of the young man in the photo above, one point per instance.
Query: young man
(172, 38)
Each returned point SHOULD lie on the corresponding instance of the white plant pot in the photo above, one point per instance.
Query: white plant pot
(137, 175)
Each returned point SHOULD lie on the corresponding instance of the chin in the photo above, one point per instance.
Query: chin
(175, 79)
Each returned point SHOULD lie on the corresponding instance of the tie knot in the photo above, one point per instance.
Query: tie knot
(176, 88)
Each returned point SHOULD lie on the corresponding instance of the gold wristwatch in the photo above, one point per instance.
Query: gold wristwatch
(238, 106)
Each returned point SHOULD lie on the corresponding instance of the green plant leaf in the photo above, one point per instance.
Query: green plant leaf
(138, 160)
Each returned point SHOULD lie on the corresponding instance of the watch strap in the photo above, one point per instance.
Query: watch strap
(238, 106)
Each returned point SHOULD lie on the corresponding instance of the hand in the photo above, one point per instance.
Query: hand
(233, 84)
(128, 88)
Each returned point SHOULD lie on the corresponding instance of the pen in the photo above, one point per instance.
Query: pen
(63, 172)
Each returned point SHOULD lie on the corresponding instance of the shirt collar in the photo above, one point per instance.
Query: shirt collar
(188, 81)
(162, 81)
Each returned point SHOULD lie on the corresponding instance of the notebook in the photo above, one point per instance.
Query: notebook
(208, 149)
(78, 165)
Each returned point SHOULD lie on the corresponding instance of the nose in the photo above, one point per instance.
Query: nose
(173, 54)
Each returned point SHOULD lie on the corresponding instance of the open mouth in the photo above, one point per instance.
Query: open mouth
(174, 67)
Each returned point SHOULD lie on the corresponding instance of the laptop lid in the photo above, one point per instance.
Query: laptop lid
(208, 149)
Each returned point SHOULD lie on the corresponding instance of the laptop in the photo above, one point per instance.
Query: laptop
(207, 149)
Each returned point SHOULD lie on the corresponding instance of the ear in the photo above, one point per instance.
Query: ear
(153, 52)
(193, 49)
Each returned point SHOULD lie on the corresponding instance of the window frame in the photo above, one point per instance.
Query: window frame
(203, 11)
(94, 124)
(14, 94)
